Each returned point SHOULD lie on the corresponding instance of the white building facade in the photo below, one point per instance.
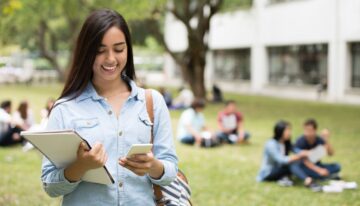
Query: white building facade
(282, 48)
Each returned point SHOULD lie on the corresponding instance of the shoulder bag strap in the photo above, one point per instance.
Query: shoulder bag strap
(149, 107)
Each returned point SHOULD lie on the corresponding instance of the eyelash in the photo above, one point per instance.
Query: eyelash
(117, 51)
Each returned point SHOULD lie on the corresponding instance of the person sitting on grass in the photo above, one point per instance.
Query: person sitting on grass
(23, 116)
(44, 113)
(192, 124)
(278, 165)
(231, 123)
(9, 131)
(310, 140)
(217, 95)
(167, 96)
(184, 99)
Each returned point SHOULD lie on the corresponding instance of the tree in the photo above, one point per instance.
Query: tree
(196, 16)
(49, 27)
(45, 27)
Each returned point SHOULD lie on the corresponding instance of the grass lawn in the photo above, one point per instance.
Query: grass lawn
(220, 176)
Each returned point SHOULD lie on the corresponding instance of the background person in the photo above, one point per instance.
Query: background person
(9, 131)
(278, 164)
(310, 140)
(184, 99)
(167, 96)
(192, 124)
(231, 124)
(23, 116)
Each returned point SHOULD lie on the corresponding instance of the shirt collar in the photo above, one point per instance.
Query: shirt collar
(90, 92)
(136, 92)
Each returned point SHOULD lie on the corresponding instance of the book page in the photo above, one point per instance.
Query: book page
(317, 153)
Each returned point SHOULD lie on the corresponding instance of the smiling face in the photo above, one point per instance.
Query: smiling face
(111, 56)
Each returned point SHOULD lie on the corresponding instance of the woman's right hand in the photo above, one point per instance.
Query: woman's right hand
(86, 160)
(91, 159)
(304, 154)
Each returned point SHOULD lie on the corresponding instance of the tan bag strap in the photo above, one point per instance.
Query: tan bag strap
(150, 110)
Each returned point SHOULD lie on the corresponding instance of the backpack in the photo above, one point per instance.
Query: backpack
(178, 193)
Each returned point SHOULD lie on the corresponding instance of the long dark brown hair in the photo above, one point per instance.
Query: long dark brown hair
(279, 130)
(87, 45)
(23, 110)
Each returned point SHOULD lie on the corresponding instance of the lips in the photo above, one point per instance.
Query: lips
(109, 68)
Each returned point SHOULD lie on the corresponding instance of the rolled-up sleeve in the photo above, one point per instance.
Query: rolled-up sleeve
(164, 149)
(54, 182)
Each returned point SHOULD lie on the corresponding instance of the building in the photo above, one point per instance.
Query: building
(284, 48)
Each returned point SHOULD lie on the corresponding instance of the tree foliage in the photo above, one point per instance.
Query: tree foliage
(48, 27)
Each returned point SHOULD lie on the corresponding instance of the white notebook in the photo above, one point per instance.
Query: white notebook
(317, 153)
(61, 147)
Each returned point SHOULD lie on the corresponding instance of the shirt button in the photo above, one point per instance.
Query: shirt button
(110, 112)
(120, 133)
(120, 184)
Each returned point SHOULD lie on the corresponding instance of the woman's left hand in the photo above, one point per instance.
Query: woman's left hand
(142, 164)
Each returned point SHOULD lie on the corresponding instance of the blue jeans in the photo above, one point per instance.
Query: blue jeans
(333, 168)
(188, 140)
(223, 137)
(278, 173)
(6, 139)
(297, 170)
(293, 168)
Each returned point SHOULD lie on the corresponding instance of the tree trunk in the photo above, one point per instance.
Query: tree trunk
(195, 68)
(194, 58)
(51, 56)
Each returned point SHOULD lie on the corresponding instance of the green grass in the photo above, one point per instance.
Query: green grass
(220, 176)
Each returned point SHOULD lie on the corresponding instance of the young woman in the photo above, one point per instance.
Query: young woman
(277, 163)
(101, 101)
(23, 116)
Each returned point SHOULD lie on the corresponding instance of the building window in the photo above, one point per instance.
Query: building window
(232, 64)
(278, 1)
(355, 64)
(298, 64)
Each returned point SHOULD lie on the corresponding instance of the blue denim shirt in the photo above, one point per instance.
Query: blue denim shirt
(90, 115)
(273, 158)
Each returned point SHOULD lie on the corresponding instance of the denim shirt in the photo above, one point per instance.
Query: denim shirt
(273, 158)
(91, 116)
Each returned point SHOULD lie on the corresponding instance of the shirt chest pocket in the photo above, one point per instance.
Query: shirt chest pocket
(88, 129)
(141, 130)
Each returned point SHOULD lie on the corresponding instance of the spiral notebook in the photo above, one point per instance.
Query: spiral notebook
(61, 147)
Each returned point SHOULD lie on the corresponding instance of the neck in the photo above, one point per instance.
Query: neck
(110, 88)
(310, 140)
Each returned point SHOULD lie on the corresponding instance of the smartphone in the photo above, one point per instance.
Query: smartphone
(139, 149)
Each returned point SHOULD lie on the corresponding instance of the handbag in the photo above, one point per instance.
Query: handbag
(178, 193)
